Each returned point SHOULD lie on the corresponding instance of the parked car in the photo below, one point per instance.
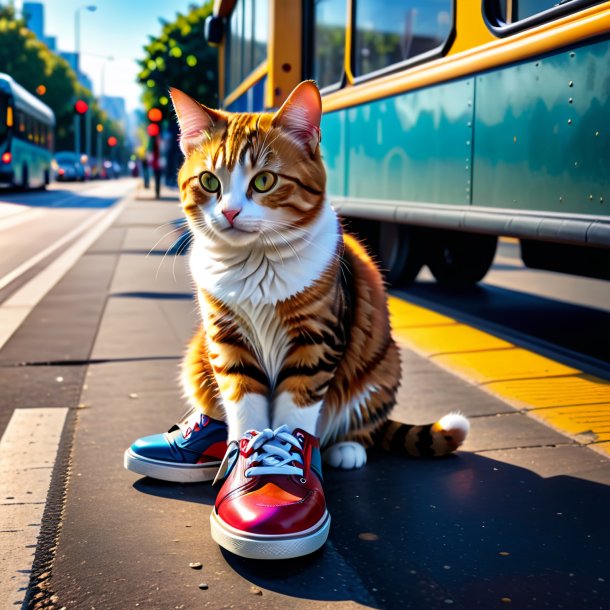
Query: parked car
(68, 167)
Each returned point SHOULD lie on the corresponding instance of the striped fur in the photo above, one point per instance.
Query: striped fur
(295, 327)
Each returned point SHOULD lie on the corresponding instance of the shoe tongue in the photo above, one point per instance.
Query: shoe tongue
(194, 422)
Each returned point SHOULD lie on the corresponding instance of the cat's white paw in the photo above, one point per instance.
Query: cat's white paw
(346, 455)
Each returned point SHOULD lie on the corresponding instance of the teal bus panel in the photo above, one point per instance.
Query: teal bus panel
(334, 147)
(542, 134)
(414, 147)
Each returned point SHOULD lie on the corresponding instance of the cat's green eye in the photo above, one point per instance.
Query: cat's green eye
(209, 182)
(264, 182)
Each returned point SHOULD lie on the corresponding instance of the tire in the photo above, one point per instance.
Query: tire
(25, 179)
(460, 259)
(398, 249)
(400, 253)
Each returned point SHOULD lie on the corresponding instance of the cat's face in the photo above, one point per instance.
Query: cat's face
(252, 178)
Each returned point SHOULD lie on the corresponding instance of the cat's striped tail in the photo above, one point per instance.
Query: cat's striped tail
(430, 440)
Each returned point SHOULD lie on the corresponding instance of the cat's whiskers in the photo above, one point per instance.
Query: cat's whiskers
(266, 240)
(182, 248)
(160, 240)
(308, 242)
(165, 255)
(333, 254)
(279, 234)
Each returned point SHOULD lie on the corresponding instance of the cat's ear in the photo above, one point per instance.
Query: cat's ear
(195, 120)
(300, 114)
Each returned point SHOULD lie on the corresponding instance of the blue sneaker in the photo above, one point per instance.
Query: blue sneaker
(190, 452)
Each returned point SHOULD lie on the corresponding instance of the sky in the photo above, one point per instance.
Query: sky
(117, 28)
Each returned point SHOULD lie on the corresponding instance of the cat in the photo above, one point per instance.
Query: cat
(294, 321)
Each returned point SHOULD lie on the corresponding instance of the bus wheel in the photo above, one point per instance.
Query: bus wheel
(460, 259)
(400, 253)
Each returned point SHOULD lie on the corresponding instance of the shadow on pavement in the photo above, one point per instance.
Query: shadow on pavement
(465, 531)
(555, 322)
(163, 296)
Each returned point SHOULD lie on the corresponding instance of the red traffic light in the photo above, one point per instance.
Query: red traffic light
(153, 130)
(112, 141)
(155, 115)
(81, 107)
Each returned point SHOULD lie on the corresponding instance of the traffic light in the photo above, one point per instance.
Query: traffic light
(155, 115)
(81, 107)
(112, 141)
(153, 130)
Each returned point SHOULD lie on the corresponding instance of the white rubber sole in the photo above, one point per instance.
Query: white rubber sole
(258, 546)
(176, 473)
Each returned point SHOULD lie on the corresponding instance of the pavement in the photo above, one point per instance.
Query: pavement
(518, 518)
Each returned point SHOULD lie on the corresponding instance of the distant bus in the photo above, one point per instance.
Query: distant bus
(447, 123)
(26, 137)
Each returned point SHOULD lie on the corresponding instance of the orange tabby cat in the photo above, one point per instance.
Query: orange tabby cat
(295, 326)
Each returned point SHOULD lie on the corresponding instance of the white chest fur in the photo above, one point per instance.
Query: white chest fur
(252, 281)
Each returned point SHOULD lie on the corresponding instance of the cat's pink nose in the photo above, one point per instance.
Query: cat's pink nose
(230, 215)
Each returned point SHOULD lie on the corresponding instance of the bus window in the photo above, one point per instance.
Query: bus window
(507, 16)
(510, 11)
(5, 120)
(21, 123)
(235, 47)
(246, 40)
(261, 31)
(328, 44)
(395, 31)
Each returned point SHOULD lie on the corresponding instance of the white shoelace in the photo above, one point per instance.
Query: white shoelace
(274, 453)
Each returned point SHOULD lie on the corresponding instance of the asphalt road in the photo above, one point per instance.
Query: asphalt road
(517, 519)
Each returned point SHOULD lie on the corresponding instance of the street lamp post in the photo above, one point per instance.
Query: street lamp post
(99, 128)
(91, 8)
(102, 80)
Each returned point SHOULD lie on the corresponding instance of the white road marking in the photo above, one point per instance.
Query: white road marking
(14, 220)
(28, 451)
(34, 260)
(19, 305)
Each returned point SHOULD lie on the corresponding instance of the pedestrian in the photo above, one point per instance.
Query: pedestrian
(156, 164)
(145, 172)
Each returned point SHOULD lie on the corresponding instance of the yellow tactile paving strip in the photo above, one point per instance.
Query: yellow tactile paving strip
(569, 400)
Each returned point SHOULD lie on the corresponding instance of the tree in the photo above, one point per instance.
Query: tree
(180, 57)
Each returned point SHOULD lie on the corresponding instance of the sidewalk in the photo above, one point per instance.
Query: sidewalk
(518, 517)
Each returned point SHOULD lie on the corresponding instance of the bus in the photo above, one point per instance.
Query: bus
(447, 123)
(26, 137)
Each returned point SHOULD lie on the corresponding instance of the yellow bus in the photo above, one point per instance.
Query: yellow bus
(447, 123)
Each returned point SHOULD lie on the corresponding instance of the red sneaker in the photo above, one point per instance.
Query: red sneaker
(271, 506)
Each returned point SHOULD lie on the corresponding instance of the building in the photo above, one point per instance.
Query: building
(33, 15)
(115, 108)
(51, 42)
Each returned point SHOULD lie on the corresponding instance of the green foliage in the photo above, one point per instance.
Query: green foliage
(180, 57)
(30, 62)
